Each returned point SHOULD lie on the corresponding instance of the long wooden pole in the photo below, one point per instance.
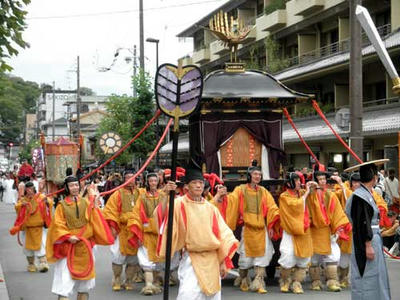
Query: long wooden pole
(398, 155)
(170, 224)
(355, 86)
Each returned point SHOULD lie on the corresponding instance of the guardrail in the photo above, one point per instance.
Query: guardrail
(332, 49)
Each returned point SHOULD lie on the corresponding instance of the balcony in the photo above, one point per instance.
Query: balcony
(385, 101)
(307, 7)
(272, 21)
(201, 55)
(218, 48)
(333, 49)
(302, 111)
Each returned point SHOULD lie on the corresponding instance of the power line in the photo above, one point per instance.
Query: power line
(120, 11)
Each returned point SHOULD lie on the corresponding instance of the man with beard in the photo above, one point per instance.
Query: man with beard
(203, 238)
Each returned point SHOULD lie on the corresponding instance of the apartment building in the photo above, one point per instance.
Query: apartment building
(305, 44)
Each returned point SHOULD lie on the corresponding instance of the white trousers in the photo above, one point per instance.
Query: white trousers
(344, 261)
(262, 261)
(288, 259)
(64, 285)
(333, 257)
(188, 284)
(119, 259)
(37, 253)
(147, 265)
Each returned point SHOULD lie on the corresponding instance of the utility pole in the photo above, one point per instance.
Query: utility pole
(54, 112)
(78, 100)
(141, 35)
(156, 41)
(134, 70)
(355, 86)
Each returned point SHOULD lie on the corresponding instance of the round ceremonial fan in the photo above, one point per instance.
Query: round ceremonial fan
(178, 89)
(110, 142)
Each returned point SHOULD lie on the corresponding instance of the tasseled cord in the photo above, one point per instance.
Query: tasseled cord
(76, 207)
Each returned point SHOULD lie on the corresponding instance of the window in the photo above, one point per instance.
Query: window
(199, 40)
(380, 90)
(84, 108)
(382, 18)
(260, 7)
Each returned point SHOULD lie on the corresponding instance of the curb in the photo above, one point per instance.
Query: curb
(3, 286)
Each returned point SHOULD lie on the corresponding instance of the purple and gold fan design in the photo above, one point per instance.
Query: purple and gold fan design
(178, 89)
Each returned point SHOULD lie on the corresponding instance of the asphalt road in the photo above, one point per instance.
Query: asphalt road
(37, 286)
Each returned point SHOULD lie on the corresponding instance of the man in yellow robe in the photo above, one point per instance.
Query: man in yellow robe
(78, 225)
(205, 241)
(343, 193)
(34, 212)
(118, 210)
(253, 206)
(296, 245)
(328, 223)
(144, 232)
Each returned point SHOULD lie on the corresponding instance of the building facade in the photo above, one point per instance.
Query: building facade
(305, 44)
(89, 122)
(64, 111)
(30, 127)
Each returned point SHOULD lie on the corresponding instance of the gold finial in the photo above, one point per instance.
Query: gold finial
(396, 85)
(231, 34)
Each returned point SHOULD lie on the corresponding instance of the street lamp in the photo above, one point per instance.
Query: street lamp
(152, 40)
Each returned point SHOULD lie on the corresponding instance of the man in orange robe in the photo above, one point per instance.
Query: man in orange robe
(328, 223)
(205, 241)
(344, 193)
(118, 210)
(296, 245)
(33, 218)
(144, 232)
(78, 225)
(253, 206)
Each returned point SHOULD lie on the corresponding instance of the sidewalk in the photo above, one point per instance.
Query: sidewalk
(3, 286)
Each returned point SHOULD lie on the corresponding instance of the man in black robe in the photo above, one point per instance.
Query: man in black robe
(369, 277)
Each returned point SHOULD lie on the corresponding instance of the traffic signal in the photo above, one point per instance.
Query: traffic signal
(10, 144)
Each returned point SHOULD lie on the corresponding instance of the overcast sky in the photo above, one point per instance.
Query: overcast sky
(60, 30)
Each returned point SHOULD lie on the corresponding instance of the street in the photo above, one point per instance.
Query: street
(37, 286)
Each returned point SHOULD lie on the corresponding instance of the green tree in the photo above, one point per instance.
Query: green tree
(275, 62)
(12, 24)
(45, 87)
(127, 115)
(16, 96)
(84, 91)
(253, 63)
(26, 152)
(275, 5)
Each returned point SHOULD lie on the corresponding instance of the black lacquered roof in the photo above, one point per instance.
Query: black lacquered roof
(249, 84)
